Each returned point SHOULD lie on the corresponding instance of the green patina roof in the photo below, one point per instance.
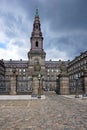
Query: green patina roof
(36, 13)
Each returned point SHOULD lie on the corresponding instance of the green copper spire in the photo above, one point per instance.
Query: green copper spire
(36, 13)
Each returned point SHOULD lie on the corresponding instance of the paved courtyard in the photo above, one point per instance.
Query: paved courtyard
(53, 113)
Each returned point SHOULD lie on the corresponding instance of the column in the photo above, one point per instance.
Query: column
(13, 82)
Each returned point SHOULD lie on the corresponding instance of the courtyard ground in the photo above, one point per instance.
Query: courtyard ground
(56, 112)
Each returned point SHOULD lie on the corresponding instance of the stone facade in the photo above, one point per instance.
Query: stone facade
(2, 69)
(2, 76)
(21, 77)
(64, 80)
(78, 66)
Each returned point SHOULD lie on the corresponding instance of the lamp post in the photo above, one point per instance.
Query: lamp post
(57, 87)
(77, 91)
(42, 85)
(30, 80)
(39, 89)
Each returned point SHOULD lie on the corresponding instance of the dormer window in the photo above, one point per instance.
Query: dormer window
(36, 43)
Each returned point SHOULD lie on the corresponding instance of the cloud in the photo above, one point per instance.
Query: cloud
(56, 54)
(15, 29)
(64, 27)
(66, 14)
(15, 50)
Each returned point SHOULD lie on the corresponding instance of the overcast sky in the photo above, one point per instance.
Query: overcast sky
(63, 24)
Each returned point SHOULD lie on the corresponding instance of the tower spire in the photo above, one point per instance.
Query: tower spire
(37, 15)
(36, 40)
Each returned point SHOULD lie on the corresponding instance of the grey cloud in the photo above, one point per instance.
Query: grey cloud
(61, 14)
(69, 16)
(14, 25)
(71, 45)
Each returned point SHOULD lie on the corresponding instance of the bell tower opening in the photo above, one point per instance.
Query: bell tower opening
(36, 44)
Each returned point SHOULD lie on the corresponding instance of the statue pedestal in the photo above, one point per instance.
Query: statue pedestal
(13, 86)
(13, 82)
(64, 85)
(64, 80)
(37, 81)
(35, 85)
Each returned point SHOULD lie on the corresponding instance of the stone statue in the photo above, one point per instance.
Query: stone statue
(37, 66)
(63, 68)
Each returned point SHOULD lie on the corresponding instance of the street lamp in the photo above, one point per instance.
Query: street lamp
(39, 89)
(57, 87)
(77, 91)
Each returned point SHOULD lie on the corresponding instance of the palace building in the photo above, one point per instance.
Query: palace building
(21, 77)
(78, 67)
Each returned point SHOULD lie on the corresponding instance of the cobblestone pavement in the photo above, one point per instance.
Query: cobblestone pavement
(54, 113)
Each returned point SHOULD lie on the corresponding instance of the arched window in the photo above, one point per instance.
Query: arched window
(36, 43)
